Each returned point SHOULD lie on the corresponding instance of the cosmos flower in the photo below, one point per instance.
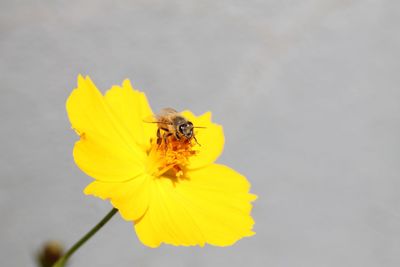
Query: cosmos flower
(173, 192)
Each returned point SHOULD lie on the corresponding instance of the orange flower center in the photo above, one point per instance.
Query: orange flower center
(170, 157)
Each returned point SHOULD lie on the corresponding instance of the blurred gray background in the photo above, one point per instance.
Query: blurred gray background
(308, 93)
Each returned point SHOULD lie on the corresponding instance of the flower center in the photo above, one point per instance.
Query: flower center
(170, 157)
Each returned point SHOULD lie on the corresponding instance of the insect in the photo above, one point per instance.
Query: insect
(171, 123)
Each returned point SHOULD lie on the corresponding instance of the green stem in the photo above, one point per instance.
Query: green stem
(61, 262)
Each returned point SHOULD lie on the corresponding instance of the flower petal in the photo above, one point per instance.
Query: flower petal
(211, 140)
(105, 150)
(131, 198)
(167, 219)
(131, 108)
(212, 205)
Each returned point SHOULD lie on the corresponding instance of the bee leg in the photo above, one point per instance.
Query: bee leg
(177, 136)
(159, 139)
(165, 138)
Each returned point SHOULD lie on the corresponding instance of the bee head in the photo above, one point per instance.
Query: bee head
(186, 129)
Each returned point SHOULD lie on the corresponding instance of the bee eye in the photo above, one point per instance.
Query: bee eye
(182, 128)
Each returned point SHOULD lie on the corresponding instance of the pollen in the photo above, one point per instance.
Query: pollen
(170, 157)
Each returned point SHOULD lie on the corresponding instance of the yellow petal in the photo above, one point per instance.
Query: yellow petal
(210, 138)
(131, 198)
(131, 107)
(167, 219)
(212, 205)
(105, 150)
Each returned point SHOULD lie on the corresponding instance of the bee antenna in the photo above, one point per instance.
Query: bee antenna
(201, 127)
(194, 137)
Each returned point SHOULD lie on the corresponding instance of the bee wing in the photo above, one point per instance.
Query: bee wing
(167, 112)
(161, 117)
(151, 119)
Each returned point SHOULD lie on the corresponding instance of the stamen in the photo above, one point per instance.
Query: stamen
(171, 155)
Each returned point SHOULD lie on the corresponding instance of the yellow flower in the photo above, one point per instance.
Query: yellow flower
(174, 195)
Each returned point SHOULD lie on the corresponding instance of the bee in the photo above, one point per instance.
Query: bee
(171, 123)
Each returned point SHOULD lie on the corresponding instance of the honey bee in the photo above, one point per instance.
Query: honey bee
(171, 123)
